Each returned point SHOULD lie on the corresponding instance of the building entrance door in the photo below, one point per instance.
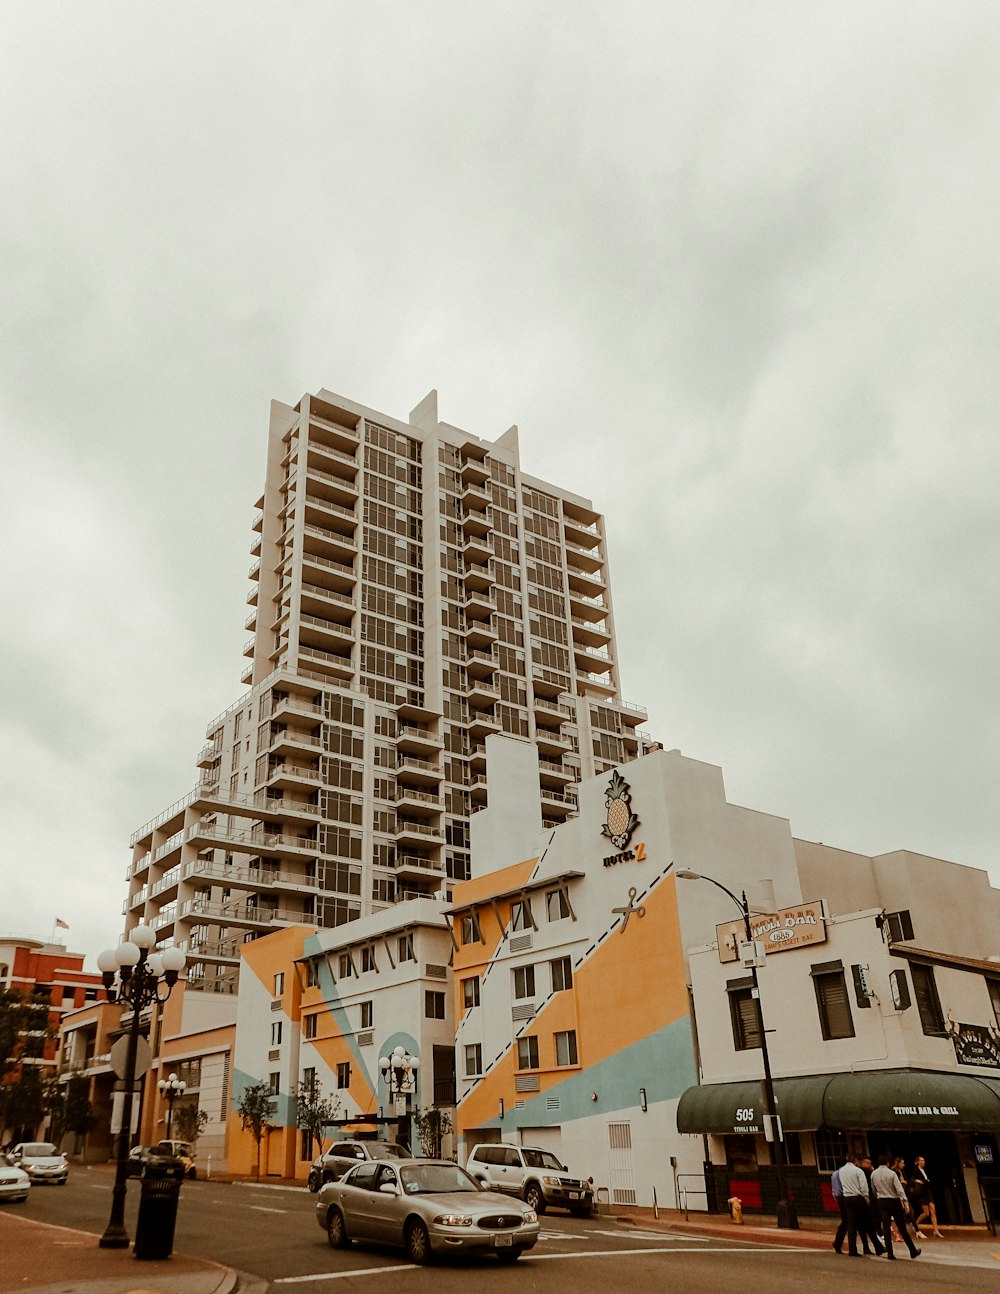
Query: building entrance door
(943, 1167)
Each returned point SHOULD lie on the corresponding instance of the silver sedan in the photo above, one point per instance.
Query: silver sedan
(427, 1206)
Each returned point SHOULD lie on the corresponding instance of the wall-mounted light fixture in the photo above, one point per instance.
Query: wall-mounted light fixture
(501, 1107)
(593, 1096)
(642, 1100)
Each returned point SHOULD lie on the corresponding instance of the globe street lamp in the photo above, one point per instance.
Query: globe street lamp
(171, 1088)
(787, 1215)
(399, 1069)
(136, 977)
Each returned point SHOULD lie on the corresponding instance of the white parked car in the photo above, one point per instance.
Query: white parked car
(41, 1160)
(14, 1183)
(534, 1174)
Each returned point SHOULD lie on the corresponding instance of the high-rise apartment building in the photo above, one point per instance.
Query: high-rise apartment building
(412, 591)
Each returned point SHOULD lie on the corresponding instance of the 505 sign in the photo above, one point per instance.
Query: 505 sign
(745, 1116)
(745, 1119)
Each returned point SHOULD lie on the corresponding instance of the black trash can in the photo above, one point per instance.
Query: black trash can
(160, 1186)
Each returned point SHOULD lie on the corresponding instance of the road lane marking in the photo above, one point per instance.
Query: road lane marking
(650, 1235)
(537, 1258)
(334, 1276)
(262, 1208)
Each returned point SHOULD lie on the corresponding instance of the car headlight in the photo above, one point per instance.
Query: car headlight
(530, 1216)
(552, 1181)
(453, 1220)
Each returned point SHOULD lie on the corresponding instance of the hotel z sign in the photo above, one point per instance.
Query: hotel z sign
(789, 928)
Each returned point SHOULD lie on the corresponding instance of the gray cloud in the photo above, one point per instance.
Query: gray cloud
(731, 269)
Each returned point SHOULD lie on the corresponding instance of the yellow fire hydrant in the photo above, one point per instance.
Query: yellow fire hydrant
(736, 1209)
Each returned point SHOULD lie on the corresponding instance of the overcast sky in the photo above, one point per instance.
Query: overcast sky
(732, 268)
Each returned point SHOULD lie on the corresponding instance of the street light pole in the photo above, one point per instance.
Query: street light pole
(398, 1069)
(142, 977)
(171, 1088)
(787, 1215)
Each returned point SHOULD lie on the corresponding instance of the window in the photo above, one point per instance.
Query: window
(899, 925)
(433, 1005)
(470, 992)
(557, 905)
(309, 1026)
(406, 948)
(743, 1014)
(470, 929)
(312, 974)
(274, 1083)
(524, 982)
(527, 1052)
(831, 1000)
(368, 962)
(345, 967)
(275, 1033)
(279, 984)
(566, 1048)
(928, 1002)
(309, 1081)
(344, 1073)
(473, 1060)
(520, 915)
(994, 990)
(562, 974)
(367, 1015)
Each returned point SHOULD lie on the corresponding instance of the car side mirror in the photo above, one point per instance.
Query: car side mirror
(388, 1188)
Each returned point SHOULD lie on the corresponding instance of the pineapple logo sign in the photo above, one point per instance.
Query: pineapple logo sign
(620, 822)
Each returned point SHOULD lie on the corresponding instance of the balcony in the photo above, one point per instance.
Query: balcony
(475, 497)
(552, 744)
(592, 660)
(323, 460)
(583, 533)
(336, 575)
(477, 549)
(474, 471)
(415, 740)
(331, 487)
(589, 584)
(330, 515)
(590, 633)
(480, 633)
(480, 664)
(584, 559)
(481, 724)
(259, 805)
(480, 604)
(477, 790)
(295, 703)
(418, 869)
(253, 595)
(208, 755)
(244, 914)
(286, 741)
(336, 665)
(549, 683)
(323, 542)
(258, 523)
(553, 774)
(482, 693)
(282, 774)
(334, 434)
(333, 604)
(478, 575)
(422, 804)
(419, 772)
(596, 685)
(273, 844)
(418, 833)
(475, 523)
(245, 877)
(248, 646)
(318, 631)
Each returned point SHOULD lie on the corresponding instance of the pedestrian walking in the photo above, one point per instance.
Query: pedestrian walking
(855, 1187)
(922, 1198)
(893, 1207)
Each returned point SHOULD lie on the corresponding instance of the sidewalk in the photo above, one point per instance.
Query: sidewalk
(54, 1260)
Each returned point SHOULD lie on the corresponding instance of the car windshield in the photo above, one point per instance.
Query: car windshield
(39, 1149)
(541, 1159)
(378, 1150)
(432, 1179)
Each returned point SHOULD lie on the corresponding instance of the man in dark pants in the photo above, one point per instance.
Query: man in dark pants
(838, 1195)
(855, 1187)
(873, 1223)
(892, 1205)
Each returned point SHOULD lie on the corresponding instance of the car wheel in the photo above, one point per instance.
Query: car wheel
(534, 1198)
(312, 1181)
(336, 1232)
(418, 1243)
(582, 1210)
(508, 1255)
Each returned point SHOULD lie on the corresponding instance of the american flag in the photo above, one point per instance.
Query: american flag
(61, 924)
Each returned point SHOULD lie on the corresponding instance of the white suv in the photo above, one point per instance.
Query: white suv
(536, 1175)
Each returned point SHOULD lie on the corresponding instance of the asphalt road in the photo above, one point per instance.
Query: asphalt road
(271, 1232)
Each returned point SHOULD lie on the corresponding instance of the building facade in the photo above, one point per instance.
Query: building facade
(412, 592)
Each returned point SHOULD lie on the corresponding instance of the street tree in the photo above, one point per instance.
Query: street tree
(255, 1110)
(315, 1112)
(432, 1124)
(189, 1121)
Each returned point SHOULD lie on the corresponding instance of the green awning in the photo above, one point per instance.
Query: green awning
(715, 1106)
(885, 1099)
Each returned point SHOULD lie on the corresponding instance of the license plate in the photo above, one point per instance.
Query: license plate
(574, 1195)
(502, 1242)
